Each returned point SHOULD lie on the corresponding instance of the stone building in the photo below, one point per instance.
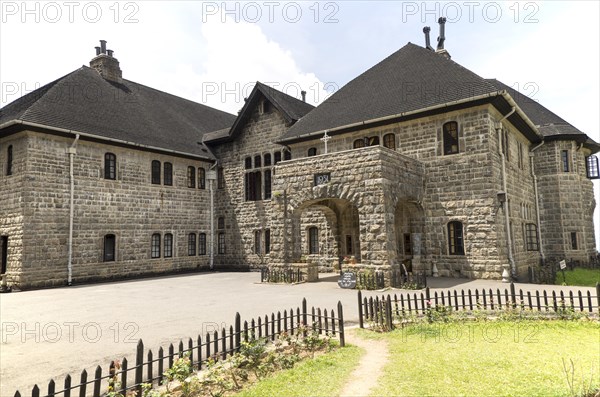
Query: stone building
(417, 161)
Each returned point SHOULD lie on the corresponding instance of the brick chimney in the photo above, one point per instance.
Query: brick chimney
(106, 64)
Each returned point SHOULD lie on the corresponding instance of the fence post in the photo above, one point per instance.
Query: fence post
(238, 332)
(513, 295)
(360, 310)
(388, 313)
(97, 381)
(341, 324)
(139, 367)
(598, 295)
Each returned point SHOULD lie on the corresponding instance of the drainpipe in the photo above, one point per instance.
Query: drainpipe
(71, 151)
(537, 203)
(211, 252)
(511, 259)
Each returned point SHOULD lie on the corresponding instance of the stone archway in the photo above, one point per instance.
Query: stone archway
(409, 226)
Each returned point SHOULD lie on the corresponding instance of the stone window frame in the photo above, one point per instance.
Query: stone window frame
(168, 173)
(257, 242)
(389, 141)
(192, 244)
(221, 243)
(221, 223)
(592, 169)
(220, 178)
(456, 242)
(358, 143)
(168, 245)
(564, 161)
(313, 240)
(110, 166)
(201, 178)
(450, 144)
(191, 177)
(109, 253)
(155, 172)
(155, 246)
(258, 161)
(202, 244)
(9, 160)
(573, 241)
(248, 162)
(287, 155)
(312, 152)
(267, 160)
(258, 180)
(276, 157)
(531, 237)
(267, 241)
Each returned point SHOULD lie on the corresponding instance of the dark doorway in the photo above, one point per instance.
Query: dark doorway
(3, 253)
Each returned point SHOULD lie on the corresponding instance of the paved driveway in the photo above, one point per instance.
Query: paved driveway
(49, 333)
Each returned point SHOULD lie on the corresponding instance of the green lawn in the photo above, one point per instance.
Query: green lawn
(490, 359)
(580, 277)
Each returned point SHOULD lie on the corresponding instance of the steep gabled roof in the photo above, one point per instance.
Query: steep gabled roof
(292, 109)
(127, 112)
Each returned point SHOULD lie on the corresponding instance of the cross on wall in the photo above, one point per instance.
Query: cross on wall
(325, 139)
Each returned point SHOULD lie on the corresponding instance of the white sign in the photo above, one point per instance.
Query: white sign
(563, 264)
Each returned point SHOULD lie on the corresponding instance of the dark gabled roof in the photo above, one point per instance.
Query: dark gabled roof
(292, 109)
(410, 79)
(84, 102)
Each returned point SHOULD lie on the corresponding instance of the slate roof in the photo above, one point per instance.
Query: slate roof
(292, 109)
(85, 102)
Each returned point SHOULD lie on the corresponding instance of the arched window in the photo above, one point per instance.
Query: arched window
(313, 240)
(455, 238)
(287, 155)
(312, 151)
(109, 247)
(257, 242)
(248, 162)
(358, 143)
(389, 141)
(277, 157)
(372, 141)
(593, 172)
(192, 244)
(9, 160)
(201, 178)
(450, 137)
(155, 172)
(155, 252)
(191, 176)
(168, 245)
(221, 243)
(110, 166)
(257, 161)
(202, 244)
(267, 159)
(168, 168)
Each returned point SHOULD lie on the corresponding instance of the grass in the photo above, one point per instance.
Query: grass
(580, 277)
(324, 375)
(490, 359)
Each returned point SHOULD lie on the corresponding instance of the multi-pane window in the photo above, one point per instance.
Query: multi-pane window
(257, 161)
(455, 238)
(201, 178)
(450, 137)
(155, 172)
(520, 153)
(257, 242)
(192, 244)
(191, 176)
(248, 162)
(109, 247)
(358, 143)
(220, 178)
(506, 144)
(267, 184)
(564, 160)
(267, 241)
(110, 166)
(168, 172)
(9, 160)
(574, 245)
(221, 243)
(253, 185)
(168, 245)
(155, 251)
(277, 157)
(313, 240)
(267, 160)
(202, 244)
(312, 151)
(593, 172)
(531, 237)
(389, 141)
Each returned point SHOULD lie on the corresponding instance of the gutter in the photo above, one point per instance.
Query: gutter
(537, 203)
(72, 151)
(211, 180)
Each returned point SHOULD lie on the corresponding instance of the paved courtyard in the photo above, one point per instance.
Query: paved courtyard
(49, 333)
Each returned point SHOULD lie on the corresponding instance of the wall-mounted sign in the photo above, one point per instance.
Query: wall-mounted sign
(322, 178)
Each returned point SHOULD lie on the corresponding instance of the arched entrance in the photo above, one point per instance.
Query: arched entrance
(409, 224)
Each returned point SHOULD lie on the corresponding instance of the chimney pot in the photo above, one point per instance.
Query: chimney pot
(106, 66)
(303, 93)
(103, 46)
(110, 53)
(442, 37)
(97, 50)
(426, 30)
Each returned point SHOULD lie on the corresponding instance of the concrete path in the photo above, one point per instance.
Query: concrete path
(49, 333)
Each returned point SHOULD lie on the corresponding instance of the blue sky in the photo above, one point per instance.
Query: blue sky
(212, 52)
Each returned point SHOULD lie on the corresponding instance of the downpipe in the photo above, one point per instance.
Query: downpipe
(71, 151)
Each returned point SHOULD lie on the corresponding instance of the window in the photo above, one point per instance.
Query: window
(156, 245)
(257, 160)
(267, 184)
(593, 172)
(253, 185)
(257, 242)
(110, 166)
(267, 159)
(312, 151)
(455, 238)
(313, 240)
(372, 141)
(358, 143)
(201, 178)
(9, 160)
(520, 153)
(531, 237)
(221, 244)
(191, 176)
(221, 223)
(349, 249)
(202, 244)
(248, 163)
(450, 137)
(574, 240)
(389, 141)
(109, 248)
(277, 157)
(564, 158)
(168, 170)
(505, 145)
(155, 172)
(267, 241)
(287, 155)
(407, 244)
(192, 244)
(168, 245)
(220, 178)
